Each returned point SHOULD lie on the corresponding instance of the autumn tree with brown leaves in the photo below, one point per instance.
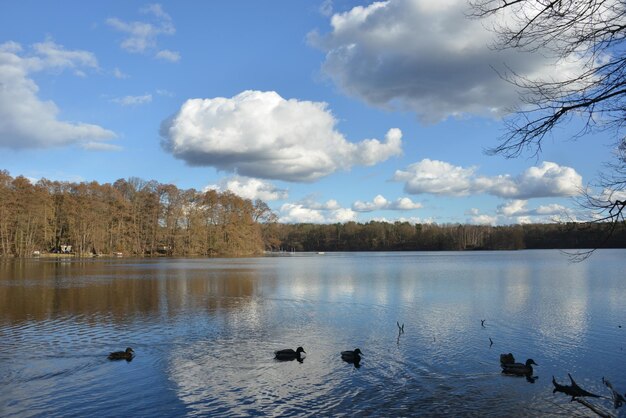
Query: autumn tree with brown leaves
(133, 216)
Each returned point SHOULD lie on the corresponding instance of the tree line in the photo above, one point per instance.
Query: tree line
(403, 236)
(132, 217)
(146, 218)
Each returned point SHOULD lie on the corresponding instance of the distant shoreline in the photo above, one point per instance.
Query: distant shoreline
(49, 256)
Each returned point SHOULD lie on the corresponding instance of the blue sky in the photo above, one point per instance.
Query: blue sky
(330, 111)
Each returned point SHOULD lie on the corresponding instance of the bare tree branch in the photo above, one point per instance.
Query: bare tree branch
(593, 32)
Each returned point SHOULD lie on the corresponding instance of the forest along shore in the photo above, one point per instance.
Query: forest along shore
(133, 217)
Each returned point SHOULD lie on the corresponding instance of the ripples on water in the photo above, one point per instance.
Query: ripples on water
(204, 333)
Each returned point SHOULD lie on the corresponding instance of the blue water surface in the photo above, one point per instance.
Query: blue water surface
(204, 332)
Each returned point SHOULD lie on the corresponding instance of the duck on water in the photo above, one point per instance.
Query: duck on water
(288, 354)
(353, 357)
(509, 366)
(122, 355)
(519, 369)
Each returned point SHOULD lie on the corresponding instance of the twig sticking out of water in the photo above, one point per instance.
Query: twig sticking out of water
(618, 400)
(482, 323)
(490, 342)
(572, 390)
(400, 331)
(576, 392)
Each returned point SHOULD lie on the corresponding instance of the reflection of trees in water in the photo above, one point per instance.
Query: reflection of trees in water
(40, 290)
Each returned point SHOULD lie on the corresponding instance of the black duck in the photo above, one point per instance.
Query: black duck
(519, 369)
(288, 354)
(122, 355)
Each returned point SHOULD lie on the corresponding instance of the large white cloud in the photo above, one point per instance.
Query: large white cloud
(260, 134)
(441, 178)
(250, 188)
(26, 121)
(427, 56)
(380, 203)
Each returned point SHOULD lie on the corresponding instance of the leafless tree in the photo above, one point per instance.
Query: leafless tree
(593, 32)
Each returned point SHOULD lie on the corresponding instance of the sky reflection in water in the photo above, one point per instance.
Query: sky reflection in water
(204, 332)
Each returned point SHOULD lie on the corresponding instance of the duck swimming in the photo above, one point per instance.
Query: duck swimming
(122, 355)
(289, 354)
(351, 356)
(519, 369)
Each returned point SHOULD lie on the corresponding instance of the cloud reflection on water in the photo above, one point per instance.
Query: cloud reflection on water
(209, 329)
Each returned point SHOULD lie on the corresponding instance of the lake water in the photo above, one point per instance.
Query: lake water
(204, 332)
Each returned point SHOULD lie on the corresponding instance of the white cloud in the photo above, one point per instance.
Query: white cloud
(519, 208)
(52, 55)
(260, 134)
(26, 121)
(326, 8)
(551, 209)
(380, 203)
(310, 203)
(341, 215)
(548, 179)
(294, 213)
(442, 178)
(165, 93)
(11, 46)
(609, 195)
(426, 56)
(133, 100)
(517, 212)
(436, 177)
(513, 207)
(100, 146)
(141, 37)
(479, 219)
(167, 55)
(312, 212)
(157, 10)
(412, 220)
(250, 188)
(117, 73)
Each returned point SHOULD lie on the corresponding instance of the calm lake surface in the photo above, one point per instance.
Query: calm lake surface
(204, 332)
